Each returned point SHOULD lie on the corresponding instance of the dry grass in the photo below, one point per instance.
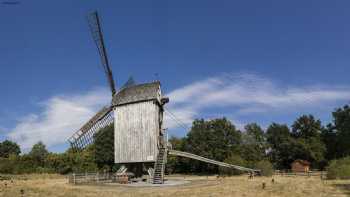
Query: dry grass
(55, 185)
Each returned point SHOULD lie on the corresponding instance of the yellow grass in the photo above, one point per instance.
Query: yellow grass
(56, 185)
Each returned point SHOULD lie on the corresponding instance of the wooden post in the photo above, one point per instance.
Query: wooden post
(74, 178)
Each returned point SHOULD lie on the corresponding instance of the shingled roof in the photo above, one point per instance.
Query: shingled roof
(137, 93)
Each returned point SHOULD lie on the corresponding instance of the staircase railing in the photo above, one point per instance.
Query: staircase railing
(200, 158)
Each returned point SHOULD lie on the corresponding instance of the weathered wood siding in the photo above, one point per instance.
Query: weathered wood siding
(136, 132)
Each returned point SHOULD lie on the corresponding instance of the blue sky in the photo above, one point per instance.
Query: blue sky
(251, 61)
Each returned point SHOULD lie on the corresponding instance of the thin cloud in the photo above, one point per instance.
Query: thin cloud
(247, 94)
(244, 94)
(60, 117)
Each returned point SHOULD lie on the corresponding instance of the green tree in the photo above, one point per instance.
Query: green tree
(265, 168)
(38, 153)
(24, 164)
(104, 147)
(279, 142)
(339, 169)
(214, 139)
(234, 159)
(78, 161)
(329, 137)
(8, 147)
(307, 132)
(306, 126)
(6, 166)
(177, 164)
(253, 146)
(340, 131)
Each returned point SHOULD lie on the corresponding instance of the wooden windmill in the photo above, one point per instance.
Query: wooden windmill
(137, 114)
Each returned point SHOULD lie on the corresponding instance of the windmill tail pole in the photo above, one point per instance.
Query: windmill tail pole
(197, 157)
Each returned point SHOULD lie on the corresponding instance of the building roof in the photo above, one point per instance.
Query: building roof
(303, 162)
(137, 93)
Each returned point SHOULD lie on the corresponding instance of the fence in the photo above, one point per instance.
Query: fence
(321, 174)
(83, 178)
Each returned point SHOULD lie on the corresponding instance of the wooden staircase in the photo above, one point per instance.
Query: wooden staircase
(159, 166)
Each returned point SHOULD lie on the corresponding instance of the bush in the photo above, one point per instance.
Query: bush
(24, 165)
(235, 160)
(339, 169)
(6, 166)
(265, 167)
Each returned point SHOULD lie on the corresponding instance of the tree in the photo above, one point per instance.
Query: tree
(7, 148)
(339, 169)
(39, 153)
(177, 164)
(340, 131)
(76, 161)
(214, 139)
(307, 132)
(235, 160)
(306, 127)
(104, 147)
(279, 142)
(329, 137)
(265, 167)
(253, 143)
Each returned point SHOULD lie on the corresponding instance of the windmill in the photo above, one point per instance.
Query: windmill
(136, 111)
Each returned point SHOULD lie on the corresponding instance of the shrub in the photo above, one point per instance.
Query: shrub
(24, 165)
(339, 169)
(6, 166)
(265, 168)
(235, 160)
(65, 170)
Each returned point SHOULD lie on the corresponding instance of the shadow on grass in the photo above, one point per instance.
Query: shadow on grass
(343, 186)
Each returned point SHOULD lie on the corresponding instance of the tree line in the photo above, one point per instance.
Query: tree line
(275, 147)
(96, 157)
(306, 139)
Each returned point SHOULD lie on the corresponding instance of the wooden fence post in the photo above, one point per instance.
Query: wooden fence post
(74, 178)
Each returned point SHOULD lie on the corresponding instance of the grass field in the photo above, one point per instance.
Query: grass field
(56, 185)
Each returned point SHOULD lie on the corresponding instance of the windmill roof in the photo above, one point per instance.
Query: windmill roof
(137, 93)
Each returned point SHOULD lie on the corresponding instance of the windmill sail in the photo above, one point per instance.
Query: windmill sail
(130, 82)
(85, 135)
(96, 31)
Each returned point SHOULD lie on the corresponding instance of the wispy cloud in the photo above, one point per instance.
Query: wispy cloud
(243, 94)
(247, 94)
(59, 117)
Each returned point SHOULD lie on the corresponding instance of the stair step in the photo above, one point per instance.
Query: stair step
(159, 166)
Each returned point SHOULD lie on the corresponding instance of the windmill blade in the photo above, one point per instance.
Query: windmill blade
(96, 31)
(85, 135)
(130, 82)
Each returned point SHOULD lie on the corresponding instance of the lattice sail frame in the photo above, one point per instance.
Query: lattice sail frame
(96, 32)
(85, 135)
